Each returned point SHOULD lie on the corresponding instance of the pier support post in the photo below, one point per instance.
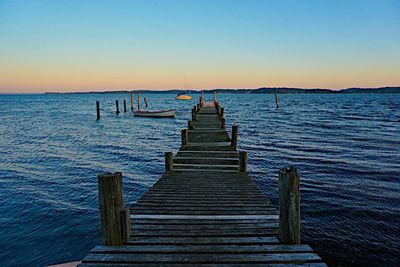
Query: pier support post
(234, 135)
(116, 104)
(132, 100)
(276, 100)
(221, 114)
(193, 114)
(190, 124)
(124, 105)
(242, 161)
(223, 123)
(98, 109)
(184, 137)
(111, 204)
(168, 162)
(289, 206)
(125, 224)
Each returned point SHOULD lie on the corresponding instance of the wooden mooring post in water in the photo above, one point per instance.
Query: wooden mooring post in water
(132, 100)
(117, 106)
(204, 210)
(98, 109)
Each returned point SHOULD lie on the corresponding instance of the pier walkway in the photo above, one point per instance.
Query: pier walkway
(204, 211)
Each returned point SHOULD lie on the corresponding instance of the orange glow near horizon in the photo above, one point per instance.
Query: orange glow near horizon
(31, 80)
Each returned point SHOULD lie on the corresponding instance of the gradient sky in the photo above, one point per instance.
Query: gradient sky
(106, 45)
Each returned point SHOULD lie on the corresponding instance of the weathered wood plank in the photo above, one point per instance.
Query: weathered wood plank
(212, 249)
(203, 258)
(204, 217)
(203, 222)
(215, 240)
(230, 227)
(182, 264)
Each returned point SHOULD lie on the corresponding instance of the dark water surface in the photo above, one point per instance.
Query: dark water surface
(346, 147)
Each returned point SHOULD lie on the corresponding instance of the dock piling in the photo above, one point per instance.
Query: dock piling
(98, 109)
(242, 161)
(168, 162)
(184, 137)
(124, 105)
(221, 114)
(111, 204)
(125, 224)
(234, 135)
(193, 115)
(132, 100)
(276, 100)
(223, 123)
(116, 104)
(289, 204)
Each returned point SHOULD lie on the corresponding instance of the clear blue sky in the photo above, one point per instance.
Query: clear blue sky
(97, 45)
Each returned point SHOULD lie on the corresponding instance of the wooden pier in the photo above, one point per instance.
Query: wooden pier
(204, 211)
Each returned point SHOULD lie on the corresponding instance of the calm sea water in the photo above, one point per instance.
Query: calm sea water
(346, 148)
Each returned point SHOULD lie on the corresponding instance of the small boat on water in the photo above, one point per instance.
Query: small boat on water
(155, 113)
(183, 96)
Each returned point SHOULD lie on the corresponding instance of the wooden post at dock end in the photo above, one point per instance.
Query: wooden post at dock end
(223, 123)
(124, 105)
(215, 97)
(221, 114)
(193, 114)
(218, 108)
(276, 100)
(242, 161)
(169, 165)
(132, 100)
(98, 109)
(111, 201)
(116, 104)
(289, 206)
(125, 224)
(198, 107)
(184, 137)
(190, 124)
(234, 135)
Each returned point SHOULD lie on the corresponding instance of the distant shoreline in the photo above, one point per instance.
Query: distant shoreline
(263, 90)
